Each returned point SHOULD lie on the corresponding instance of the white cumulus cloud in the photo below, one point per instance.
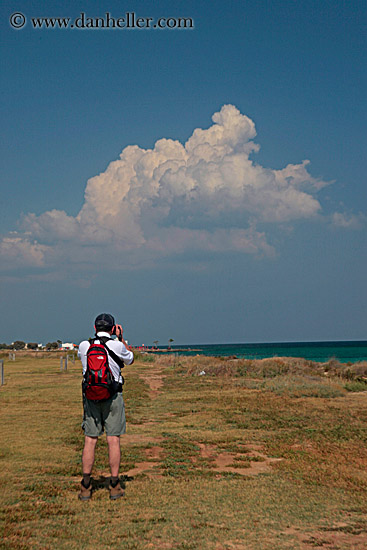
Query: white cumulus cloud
(348, 221)
(207, 194)
(17, 251)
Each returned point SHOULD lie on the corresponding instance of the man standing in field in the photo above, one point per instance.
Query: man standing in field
(103, 411)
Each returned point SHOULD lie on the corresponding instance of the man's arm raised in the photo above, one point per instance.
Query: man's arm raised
(119, 334)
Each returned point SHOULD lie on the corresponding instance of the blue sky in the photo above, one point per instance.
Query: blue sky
(220, 235)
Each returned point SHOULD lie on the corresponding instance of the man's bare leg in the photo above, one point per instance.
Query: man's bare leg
(114, 454)
(88, 454)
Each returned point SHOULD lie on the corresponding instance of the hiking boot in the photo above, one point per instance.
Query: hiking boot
(85, 492)
(116, 492)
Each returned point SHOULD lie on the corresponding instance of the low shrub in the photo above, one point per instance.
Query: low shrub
(359, 369)
(356, 385)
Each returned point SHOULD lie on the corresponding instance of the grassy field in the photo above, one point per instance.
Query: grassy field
(260, 455)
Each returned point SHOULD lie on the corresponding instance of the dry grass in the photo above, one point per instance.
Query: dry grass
(252, 455)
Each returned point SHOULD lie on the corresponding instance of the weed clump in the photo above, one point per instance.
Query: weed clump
(304, 386)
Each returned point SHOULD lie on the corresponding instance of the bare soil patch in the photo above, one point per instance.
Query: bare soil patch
(340, 536)
(149, 468)
(143, 468)
(154, 379)
(225, 461)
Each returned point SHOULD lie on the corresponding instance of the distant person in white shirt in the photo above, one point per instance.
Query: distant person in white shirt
(107, 414)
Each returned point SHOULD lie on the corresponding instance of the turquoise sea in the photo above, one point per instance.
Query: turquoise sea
(345, 352)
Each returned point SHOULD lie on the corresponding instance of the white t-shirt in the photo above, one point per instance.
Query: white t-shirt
(115, 345)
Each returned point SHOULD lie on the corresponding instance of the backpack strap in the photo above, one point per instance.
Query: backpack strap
(115, 357)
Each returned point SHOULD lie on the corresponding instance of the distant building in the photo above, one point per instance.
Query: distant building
(67, 346)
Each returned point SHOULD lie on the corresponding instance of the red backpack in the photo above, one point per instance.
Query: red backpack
(99, 383)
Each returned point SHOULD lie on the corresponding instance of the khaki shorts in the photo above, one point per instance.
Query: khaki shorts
(106, 416)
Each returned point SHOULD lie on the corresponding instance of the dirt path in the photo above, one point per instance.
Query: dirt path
(154, 378)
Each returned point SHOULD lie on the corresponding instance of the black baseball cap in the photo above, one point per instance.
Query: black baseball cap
(104, 321)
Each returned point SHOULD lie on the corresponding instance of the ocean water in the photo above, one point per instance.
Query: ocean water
(344, 352)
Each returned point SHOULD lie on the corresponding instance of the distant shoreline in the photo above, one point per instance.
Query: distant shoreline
(343, 351)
